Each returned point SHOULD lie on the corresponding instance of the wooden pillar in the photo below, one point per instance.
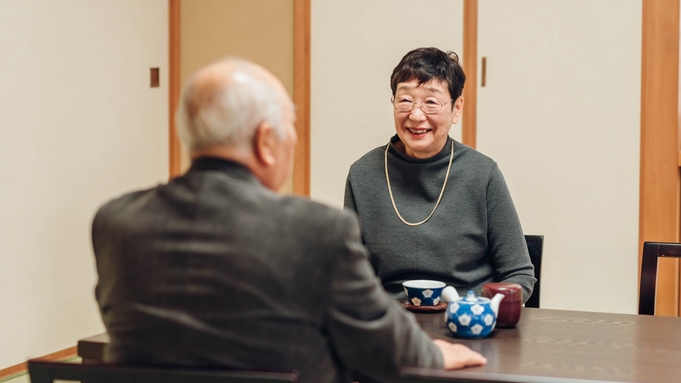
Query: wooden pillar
(173, 85)
(301, 95)
(470, 67)
(659, 190)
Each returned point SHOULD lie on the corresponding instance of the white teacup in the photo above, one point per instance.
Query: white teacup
(423, 292)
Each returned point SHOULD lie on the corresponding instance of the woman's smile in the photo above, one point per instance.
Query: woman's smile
(418, 132)
(424, 134)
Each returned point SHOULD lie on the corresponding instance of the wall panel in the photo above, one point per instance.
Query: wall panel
(80, 125)
(560, 114)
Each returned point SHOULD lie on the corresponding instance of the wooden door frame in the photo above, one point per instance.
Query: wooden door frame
(470, 66)
(659, 177)
(301, 95)
(174, 153)
(301, 91)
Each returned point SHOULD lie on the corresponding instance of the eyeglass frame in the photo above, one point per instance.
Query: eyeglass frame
(442, 105)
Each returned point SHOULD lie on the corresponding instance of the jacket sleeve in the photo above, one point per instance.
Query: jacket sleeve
(370, 331)
(506, 242)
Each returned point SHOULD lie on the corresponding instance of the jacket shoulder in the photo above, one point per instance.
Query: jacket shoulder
(318, 214)
(122, 208)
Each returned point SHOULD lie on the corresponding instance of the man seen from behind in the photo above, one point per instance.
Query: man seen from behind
(215, 269)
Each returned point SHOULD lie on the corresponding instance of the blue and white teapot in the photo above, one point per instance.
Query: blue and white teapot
(470, 316)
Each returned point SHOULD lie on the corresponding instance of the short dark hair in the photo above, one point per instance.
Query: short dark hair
(425, 64)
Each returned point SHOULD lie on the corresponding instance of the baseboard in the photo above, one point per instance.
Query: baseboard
(22, 367)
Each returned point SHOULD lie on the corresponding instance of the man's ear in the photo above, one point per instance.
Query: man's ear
(264, 144)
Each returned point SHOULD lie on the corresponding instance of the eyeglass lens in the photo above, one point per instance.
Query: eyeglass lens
(427, 107)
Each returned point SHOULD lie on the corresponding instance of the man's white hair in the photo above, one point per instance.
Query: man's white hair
(229, 113)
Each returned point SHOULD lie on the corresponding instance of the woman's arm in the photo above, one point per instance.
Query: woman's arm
(506, 242)
(349, 199)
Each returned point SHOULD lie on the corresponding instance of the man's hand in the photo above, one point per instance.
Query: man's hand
(458, 356)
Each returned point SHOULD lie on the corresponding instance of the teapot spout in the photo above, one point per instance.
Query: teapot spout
(449, 294)
(494, 304)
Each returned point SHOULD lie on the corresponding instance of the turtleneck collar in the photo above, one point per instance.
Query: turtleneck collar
(442, 154)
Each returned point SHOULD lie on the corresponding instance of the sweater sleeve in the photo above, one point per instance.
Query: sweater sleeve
(506, 242)
(349, 198)
(369, 330)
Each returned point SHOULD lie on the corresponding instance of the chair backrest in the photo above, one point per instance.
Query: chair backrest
(423, 375)
(651, 252)
(47, 372)
(535, 246)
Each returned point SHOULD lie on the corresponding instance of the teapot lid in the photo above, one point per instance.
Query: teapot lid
(470, 299)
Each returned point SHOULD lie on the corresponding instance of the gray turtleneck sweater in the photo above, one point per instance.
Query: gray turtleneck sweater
(474, 237)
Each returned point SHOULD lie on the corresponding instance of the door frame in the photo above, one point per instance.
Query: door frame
(301, 92)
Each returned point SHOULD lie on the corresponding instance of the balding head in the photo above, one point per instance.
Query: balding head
(224, 103)
(227, 107)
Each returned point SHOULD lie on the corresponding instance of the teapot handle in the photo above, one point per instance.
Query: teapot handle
(449, 294)
(495, 301)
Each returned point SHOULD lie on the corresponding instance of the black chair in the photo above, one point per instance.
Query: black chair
(651, 252)
(535, 246)
(422, 375)
(47, 372)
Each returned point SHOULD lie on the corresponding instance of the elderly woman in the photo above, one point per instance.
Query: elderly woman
(431, 207)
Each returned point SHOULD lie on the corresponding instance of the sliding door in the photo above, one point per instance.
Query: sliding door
(560, 113)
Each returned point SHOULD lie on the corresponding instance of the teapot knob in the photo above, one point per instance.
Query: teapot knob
(470, 297)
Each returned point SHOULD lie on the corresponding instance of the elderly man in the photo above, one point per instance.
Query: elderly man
(215, 269)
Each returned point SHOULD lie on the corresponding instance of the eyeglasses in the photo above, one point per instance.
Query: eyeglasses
(427, 107)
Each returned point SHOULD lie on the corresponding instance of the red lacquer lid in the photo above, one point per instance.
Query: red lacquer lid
(512, 291)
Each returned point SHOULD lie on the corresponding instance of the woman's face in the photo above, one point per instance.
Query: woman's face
(424, 135)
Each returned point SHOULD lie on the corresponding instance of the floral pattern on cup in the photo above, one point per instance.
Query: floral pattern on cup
(423, 292)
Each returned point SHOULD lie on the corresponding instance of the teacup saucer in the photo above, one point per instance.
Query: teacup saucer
(435, 308)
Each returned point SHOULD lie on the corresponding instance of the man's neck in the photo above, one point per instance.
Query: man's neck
(225, 152)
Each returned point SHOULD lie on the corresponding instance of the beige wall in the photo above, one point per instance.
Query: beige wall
(80, 125)
(258, 30)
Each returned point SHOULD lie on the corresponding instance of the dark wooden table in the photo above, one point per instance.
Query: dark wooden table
(554, 343)
(91, 349)
(575, 344)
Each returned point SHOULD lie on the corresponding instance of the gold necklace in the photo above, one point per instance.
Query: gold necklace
(390, 191)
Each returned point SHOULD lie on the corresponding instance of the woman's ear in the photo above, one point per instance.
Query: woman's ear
(264, 144)
(458, 109)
